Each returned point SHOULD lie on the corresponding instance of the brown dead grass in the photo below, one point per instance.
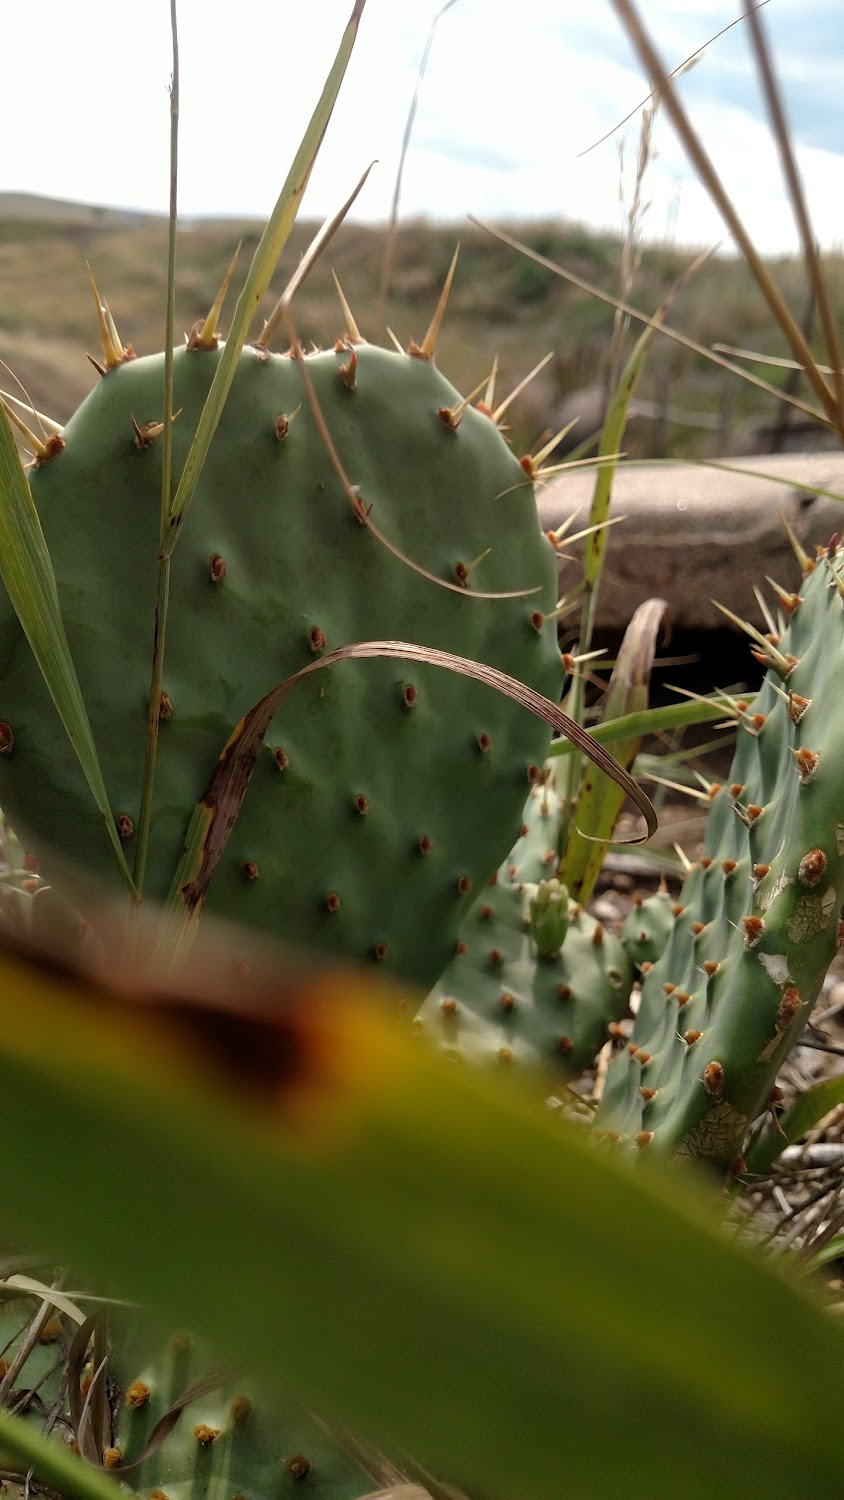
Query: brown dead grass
(501, 304)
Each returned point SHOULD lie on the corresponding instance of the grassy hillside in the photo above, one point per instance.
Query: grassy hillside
(501, 304)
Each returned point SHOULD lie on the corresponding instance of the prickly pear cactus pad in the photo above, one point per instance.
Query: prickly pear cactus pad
(383, 797)
(510, 998)
(230, 1440)
(169, 1423)
(759, 917)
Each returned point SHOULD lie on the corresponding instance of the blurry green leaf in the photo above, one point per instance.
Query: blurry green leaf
(413, 1248)
(832, 1250)
(22, 1446)
(31, 585)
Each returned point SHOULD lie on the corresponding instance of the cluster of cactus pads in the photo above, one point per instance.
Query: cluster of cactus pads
(385, 792)
(165, 1422)
(730, 971)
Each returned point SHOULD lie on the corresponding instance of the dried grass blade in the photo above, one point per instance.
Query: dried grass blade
(629, 17)
(775, 360)
(56, 1299)
(683, 67)
(807, 1109)
(165, 1424)
(663, 328)
(362, 511)
(390, 243)
(779, 126)
(315, 250)
(215, 815)
(31, 584)
(260, 273)
(599, 800)
(594, 552)
(76, 1357)
(16, 1364)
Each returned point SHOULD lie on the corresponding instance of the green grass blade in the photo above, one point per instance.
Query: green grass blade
(595, 545)
(832, 1250)
(803, 1115)
(31, 585)
(651, 721)
(741, 469)
(260, 273)
(23, 1447)
(413, 1248)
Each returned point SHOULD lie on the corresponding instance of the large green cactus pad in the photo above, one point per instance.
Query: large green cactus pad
(384, 796)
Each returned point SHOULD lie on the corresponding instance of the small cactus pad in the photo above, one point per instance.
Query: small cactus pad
(647, 926)
(384, 794)
(501, 999)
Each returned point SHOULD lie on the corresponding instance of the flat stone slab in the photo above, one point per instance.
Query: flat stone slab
(692, 534)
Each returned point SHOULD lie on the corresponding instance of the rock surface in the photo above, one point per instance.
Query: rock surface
(691, 534)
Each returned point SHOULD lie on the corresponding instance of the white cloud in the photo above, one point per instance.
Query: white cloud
(512, 95)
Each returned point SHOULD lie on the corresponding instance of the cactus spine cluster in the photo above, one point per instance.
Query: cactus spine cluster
(730, 970)
(535, 978)
(383, 796)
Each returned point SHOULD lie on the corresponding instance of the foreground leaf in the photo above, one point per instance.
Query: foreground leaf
(31, 585)
(413, 1249)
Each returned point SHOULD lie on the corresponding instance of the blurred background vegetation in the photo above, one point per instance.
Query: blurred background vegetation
(502, 304)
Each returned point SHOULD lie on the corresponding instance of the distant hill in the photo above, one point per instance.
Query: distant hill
(33, 206)
(503, 306)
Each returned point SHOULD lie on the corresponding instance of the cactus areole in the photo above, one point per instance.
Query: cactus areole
(276, 564)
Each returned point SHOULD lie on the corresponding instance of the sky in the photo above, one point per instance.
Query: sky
(514, 92)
